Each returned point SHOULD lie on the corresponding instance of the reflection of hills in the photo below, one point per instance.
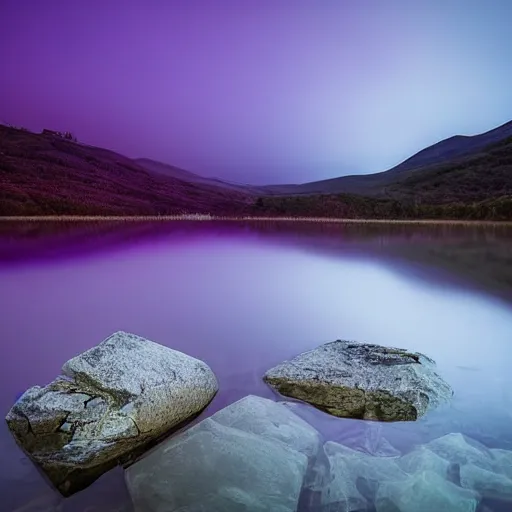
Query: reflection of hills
(481, 255)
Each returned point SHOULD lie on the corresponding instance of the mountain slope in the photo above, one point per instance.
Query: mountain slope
(176, 172)
(455, 147)
(47, 175)
(41, 174)
(454, 150)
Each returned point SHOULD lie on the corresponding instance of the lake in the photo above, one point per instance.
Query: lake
(244, 297)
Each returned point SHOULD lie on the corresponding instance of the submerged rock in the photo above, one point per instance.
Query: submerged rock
(502, 461)
(425, 491)
(359, 380)
(111, 401)
(252, 455)
(460, 449)
(423, 459)
(451, 473)
(355, 477)
(487, 483)
(270, 420)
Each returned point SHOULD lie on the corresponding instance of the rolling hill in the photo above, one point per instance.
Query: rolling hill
(44, 174)
(456, 153)
(181, 174)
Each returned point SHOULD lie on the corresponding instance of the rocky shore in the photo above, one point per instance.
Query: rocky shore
(128, 394)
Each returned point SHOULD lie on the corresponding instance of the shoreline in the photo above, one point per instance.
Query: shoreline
(207, 217)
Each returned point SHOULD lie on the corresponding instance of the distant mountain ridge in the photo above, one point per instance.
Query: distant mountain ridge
(459, 178)
(181, 174)
(450, 149)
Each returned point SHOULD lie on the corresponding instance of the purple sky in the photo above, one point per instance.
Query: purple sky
(258, 90)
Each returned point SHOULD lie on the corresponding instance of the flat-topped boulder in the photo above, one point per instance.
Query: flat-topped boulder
(110, 402)
(252, 455)
(362, 380)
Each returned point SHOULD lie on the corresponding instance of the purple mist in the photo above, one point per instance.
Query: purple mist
(258, 91)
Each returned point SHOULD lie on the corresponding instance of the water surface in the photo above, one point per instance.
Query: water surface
(245, 297)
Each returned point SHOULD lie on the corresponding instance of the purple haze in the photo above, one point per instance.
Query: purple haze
(258, 91)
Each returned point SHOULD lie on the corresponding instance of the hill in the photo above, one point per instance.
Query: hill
(181, 174)
(46, 174)
(454, 153)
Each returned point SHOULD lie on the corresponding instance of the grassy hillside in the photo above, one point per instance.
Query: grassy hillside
(49, 175)
(482, 164)
(479, 177)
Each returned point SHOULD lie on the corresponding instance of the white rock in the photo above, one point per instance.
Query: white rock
(423, 459)
(502, 461)
(459, 449)
(424, 492)
(249, 456)
(270, 420)
(355, 477)
(487, 483)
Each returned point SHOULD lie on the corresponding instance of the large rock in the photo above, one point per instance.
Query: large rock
(364, 381)
(112, 401)
(252, 455)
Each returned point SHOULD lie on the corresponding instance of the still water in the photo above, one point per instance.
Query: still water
(244, 298)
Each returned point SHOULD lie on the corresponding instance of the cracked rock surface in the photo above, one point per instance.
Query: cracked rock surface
(110, 401)
(361, 380)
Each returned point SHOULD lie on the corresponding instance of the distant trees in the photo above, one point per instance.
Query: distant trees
(69, 136)
(358, 207)
(63, 135)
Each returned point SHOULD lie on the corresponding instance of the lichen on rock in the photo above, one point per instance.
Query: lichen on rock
(361, 380)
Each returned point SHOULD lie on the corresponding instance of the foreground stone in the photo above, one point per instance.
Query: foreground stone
(359, 380)
(252, 455)
(111, 401)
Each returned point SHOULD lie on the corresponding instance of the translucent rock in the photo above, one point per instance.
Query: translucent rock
(270, 420)
(486, 483)
(459, 449)
(214, 468)
(424, 492)
(423, 459)
(355, 477)
(250, 456)
(502, 461)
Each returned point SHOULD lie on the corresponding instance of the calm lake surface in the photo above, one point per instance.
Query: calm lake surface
(244, 297)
